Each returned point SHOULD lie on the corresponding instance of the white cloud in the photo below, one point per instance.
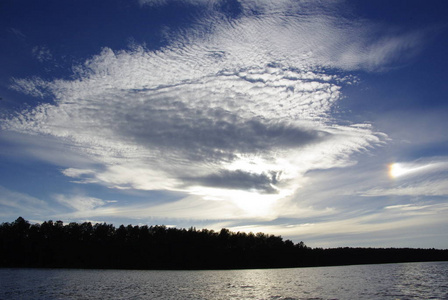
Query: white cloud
(423, 177)
(244, 110)
(72, 172)
(15, 203)
(155, 136)
(391, 226)
(79, 203)
(421, 188)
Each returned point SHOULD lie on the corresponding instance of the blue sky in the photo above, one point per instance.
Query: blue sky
(321, 121)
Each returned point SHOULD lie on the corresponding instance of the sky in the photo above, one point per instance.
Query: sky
(320, 121)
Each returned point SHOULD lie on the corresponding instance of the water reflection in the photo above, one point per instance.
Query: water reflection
(403, 281)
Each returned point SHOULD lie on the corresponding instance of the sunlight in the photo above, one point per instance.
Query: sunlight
(401, 169)
(251, 204)
(258, 206)
(396, 170)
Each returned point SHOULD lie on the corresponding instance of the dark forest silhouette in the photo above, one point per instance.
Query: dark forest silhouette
(55, 245)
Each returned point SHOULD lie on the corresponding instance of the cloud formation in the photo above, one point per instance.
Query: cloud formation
(234, 106)
(14, 203)
(42, 53)
(423, 177)
(80, 203)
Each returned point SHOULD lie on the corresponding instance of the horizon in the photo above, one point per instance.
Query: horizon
(212, 232)
(318, 121)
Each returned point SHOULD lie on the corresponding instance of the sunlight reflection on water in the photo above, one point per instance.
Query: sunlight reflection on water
(389, 281)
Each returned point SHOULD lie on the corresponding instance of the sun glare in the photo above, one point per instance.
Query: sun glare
(256, 207)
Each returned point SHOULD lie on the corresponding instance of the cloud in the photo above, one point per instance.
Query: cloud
(201, 126)
(79, 203)
(242, 108)
(165, 2)
(17, 33)
(42, 53)
(297, 34)
(190, 207)
(422, 177)
(418, 167)
(422, 188)
(240, 179)
(390, 226)
(28, 145)
(16, 203)
(72, 172)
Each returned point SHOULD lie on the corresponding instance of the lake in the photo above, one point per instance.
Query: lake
(427, 280)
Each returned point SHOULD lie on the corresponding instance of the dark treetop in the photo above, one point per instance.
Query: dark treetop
(52, 244)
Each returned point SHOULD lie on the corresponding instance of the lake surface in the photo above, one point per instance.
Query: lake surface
(387, 281)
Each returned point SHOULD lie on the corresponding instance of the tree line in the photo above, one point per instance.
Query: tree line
(86, 245)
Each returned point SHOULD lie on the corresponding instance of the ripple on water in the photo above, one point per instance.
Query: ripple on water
(390, 281)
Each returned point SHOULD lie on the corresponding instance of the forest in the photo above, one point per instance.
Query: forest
(102, 246)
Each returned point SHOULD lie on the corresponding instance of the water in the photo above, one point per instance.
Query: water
(388, 281)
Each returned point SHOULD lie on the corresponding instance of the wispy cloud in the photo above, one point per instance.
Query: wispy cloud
(423, 177)
(392, 226)
(79, 202)
(14, 204)
(17, 33)
(42, 53)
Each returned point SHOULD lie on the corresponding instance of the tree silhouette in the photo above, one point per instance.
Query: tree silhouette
(53, 244)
